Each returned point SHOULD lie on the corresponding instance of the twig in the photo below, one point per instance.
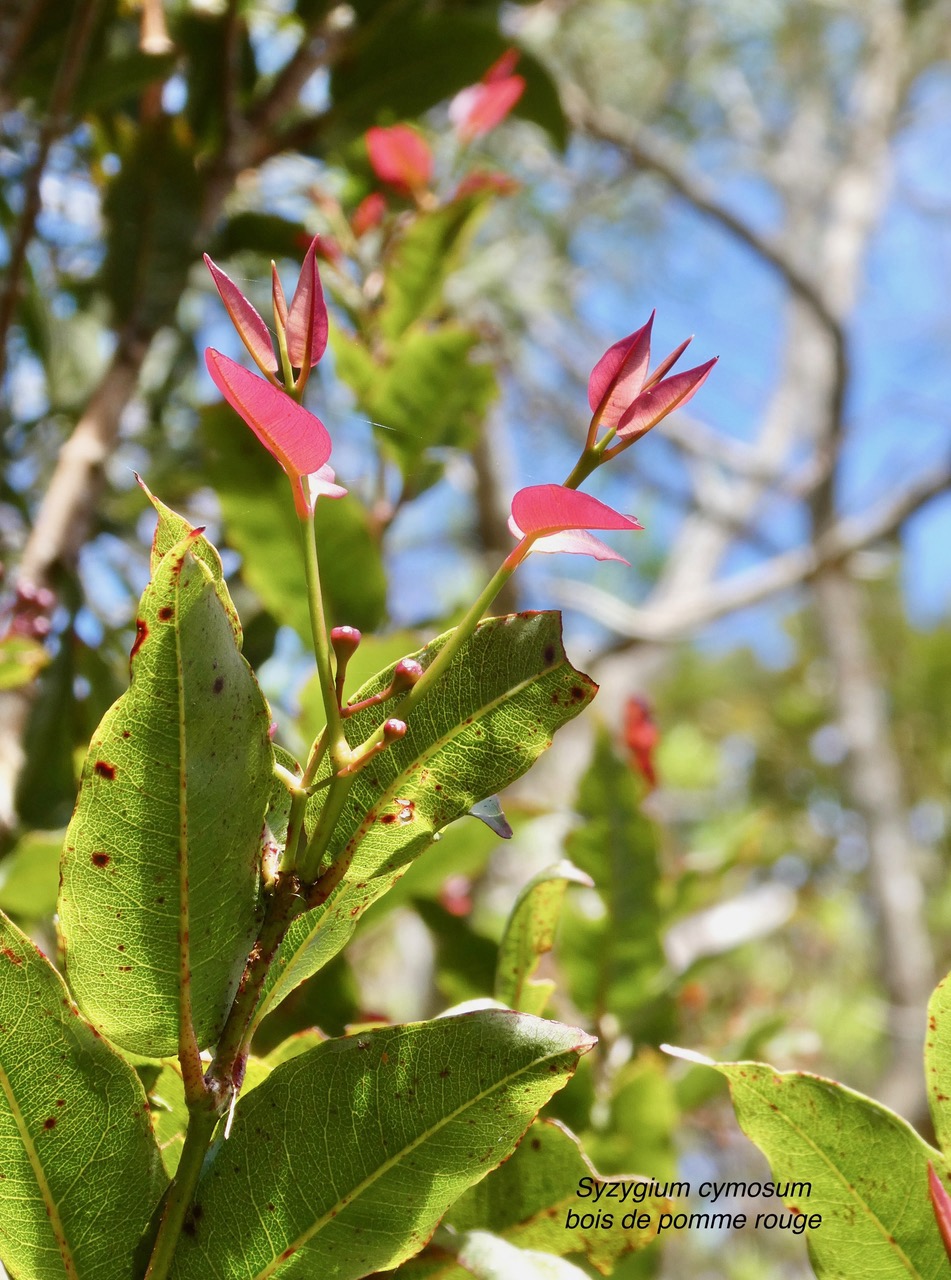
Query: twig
(55, 123)
(669, 621)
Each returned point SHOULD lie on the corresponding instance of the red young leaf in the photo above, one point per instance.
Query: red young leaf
(662, 398)
(251, 328)
(559, 519)
(297, 438)
(369, 213)
(307, 316)
(619, 375)
(479, 108)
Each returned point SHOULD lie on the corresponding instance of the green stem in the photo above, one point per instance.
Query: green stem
(339, 749)
(460, 634)
(309, 865)
(202, 1121)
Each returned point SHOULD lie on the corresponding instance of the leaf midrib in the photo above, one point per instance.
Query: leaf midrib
(847, 1185)
(49, 1201)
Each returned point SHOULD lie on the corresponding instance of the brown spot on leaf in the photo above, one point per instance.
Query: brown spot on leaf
(49, 1123)
(100, 859)
(12, 956)
(141, 635)
(388, 818)
(549, 654)
(219, 684)
(166, 612)
(104, 769)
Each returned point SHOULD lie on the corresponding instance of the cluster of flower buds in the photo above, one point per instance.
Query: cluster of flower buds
(406, 673)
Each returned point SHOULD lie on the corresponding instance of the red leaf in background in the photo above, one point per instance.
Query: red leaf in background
(641, 736)
(481, 107)
(400, 156)
(369, 213)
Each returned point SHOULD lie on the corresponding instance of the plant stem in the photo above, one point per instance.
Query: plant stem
(202, 1121)
(339, 749)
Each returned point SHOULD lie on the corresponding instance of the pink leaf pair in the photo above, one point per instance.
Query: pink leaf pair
(304, 322)
(481, 107)
(296, 438)
(941, 1204)
(400, 157)
(621, 394)
(558, 519)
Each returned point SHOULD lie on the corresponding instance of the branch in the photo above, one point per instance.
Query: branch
(664, 623)
(55, 124)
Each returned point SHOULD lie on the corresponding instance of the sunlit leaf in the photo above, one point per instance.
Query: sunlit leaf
(81, 1172)
(837, 1151)
(161, 862)
(529, 933)
(430, 1109)
(498, 704)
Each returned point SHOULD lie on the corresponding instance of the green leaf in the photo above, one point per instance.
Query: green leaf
(527, 1202)
(161, 867)
(421, 259)
(21, 661)
(261, 524)
(81, 1172)
(504, 695)
(29, 875)
(172, 529)
(848, 1150)
(429, 1109)
(529, 933)
(938, 1062)
(614, 961)
(152, 208)
(429, 394)
(410, 61)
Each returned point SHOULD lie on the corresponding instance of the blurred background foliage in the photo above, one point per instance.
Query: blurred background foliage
(763, 173)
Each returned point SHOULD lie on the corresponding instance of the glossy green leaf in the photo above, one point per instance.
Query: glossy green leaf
(29, 875)
(614, 959)
(428, 1110)
(847, 1149)
(529, 933)
(261, 524)
(161, 866)
(507, 691)
(430, 393)
(527, 1200)
(938, 1062)
(80, 1169)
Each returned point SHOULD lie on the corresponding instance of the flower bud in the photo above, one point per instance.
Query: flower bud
(393, 730)
(405, 674)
